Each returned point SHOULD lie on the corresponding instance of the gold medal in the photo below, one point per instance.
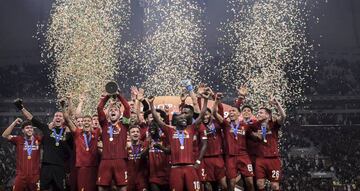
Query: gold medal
(182, 147)
(29, 157)
(111, 139)
(57, 144)
(265, 141)
(87, 149)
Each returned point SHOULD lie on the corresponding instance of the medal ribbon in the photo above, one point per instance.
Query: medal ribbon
(181, 137)
(111, 131)
(29, 148)
(212, 129)
(263, 131)
(135, 150)
(235, 128)
(58, 136)
(87, 139)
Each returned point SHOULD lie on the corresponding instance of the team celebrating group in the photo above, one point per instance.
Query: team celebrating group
(132, 145)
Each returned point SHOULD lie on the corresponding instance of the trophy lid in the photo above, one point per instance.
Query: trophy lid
(111, 87)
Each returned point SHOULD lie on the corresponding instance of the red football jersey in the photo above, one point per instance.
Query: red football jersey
(86, 158)
(271, 147)
(137, 166)
(159, 164)
(182, 153)
(199, 134)
(115, 148)
(235, 142)
(251, 144)
(215, 140)
(26, 163)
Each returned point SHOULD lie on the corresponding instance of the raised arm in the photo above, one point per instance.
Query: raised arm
(19, 105)
(140, 99)
(218, 117)
(125, 103)
(205, 95)
(79, 106)
(194, 101)
(242, 91)
(6, 134)
(138, 113)
(202, 152)
(280, 109)
(70, 104)
(156, 117)
(68, 120)
(183, 97)
(100, 108)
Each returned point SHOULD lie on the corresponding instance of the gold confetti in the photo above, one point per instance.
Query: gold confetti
(82, 46)
(267, 44)
(173, 48)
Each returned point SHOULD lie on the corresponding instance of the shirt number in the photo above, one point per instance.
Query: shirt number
(275, 174)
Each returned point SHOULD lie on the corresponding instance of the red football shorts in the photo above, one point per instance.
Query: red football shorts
(86, 179)
(112, 168)
(269, 168)
(182, 177)
(214, 168)
(238, 163)
(29, 182)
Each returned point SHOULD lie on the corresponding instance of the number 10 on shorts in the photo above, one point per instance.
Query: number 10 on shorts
(196, 185)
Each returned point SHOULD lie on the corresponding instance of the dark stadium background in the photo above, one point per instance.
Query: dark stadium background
(321, 143)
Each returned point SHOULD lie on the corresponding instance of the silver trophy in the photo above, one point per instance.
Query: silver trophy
(111, 88)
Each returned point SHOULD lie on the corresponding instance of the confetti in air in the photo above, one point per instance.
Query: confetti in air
(82, 46)
(173, 48)
(267, 44)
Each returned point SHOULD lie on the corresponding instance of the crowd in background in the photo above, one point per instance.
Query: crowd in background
(336, 144)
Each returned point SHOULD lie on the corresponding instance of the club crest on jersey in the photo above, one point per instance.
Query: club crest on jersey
(116, 130)
(176, 136)
(34, 147)
(240, 131)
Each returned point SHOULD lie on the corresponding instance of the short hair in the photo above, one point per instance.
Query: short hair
(87, 116)
(95, 115)
(134, 126)
(25, 123)
(247, 106)
(189, 107)
(267, 110)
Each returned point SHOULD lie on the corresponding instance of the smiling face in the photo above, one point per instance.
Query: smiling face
(95, 121)
(58, 119)
(246, 113)
(133, 118)
(87, 123)
(207, 117)
(181, 121)
(262, 115)
(134, 133)
(79, 122)
(233, 114)
(28, 130)
(114, 114)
